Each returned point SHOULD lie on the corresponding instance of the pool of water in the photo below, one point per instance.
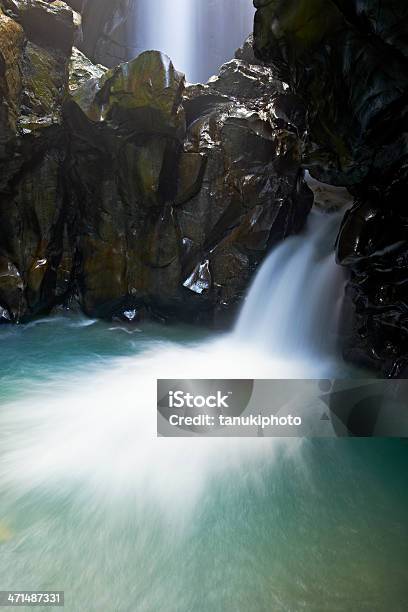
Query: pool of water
(93, 503)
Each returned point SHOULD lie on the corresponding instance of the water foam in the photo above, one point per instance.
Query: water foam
(96, 430)
(99, 429)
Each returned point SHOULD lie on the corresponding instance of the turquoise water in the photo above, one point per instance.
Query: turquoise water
(47, 347)
(92, 503)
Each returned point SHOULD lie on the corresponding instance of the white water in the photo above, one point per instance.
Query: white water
(165, 26)
(92, 502)
(98, 428)
(293, 307)
(198, 35)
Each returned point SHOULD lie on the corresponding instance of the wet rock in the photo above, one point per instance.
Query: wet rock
(11, 49)
(348, 63)
(246, 53)
(172, 201)
(51, 24)
(199, 280)
(252, 193)
(143, 95)
(191, 169)
(11, 291)
(45, 81)
(329, 197)
(105, 30)
(31, 176)
(127, 192)
(82, 70)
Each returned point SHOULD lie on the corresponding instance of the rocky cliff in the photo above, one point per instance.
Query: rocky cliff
(127, 194)
(105, 29)
(347, 62)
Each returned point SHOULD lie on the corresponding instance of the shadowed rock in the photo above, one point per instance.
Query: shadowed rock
(348, 62)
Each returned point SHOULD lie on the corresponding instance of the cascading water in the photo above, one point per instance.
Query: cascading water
(293, 307)
(198, 35)
(92, 502)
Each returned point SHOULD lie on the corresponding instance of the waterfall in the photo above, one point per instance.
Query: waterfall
(198, 35)
(164, 25)
(293, 306)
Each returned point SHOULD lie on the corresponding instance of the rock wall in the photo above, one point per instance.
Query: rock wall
(127, 194)
(347, 62)
(104, 30)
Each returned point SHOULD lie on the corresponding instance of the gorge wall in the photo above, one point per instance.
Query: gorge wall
(127, 194)
(347, 62)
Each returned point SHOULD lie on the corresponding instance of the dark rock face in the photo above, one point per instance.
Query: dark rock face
(348, 62)
(127, 193)
(104, 29)
(33, 86)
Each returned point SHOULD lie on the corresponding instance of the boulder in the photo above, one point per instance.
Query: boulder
(142, 96)
(51, 24)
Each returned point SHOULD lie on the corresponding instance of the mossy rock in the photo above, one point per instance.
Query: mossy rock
(143, 95)
(51, 24)
(11, 49)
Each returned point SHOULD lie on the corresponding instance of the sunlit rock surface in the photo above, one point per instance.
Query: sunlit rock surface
(348, 62)
(123, 190)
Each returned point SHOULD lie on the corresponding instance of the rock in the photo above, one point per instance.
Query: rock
(241, 80)
(170, 203)
(50, 24)
(329, 197)
(45, 81)
(11, 50)
(11, 291)
(249, 198)
(126, 192)
(191, 169)
(348, 62)
(143, 95)
(105, 30)
(126, 131)
(200, 279)
(246, 53)
(31, 176)
(82, 71)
